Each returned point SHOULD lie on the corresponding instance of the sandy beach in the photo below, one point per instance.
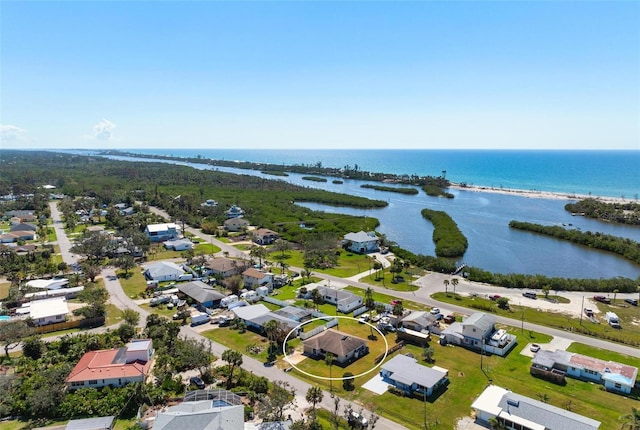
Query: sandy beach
(536, 194)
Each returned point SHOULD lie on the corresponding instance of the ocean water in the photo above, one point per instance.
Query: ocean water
(483, 217)
(600, 173)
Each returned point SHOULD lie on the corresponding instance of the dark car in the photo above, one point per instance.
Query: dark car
(602, 299)
(530, 295)
(494, 297)
(449, 319)
(633, 302)
(194, 380)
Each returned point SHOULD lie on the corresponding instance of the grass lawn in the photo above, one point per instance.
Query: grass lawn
(134, 284)
(386, 298)
(629, 334)
(4, 289)
(161, 310)
(114, 315)
(349, 264)
(206, 248)
(240, 342)
(386, 281)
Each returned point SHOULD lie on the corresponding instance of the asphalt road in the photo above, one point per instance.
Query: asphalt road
(122, 301)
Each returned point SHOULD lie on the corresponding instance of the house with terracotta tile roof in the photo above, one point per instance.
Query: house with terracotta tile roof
(112, 367)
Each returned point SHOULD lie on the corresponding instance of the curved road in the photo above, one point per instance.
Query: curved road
(122, 301)
(430, 284)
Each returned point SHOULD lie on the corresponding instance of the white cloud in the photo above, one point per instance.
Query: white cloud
(12, 133)
(103, 130)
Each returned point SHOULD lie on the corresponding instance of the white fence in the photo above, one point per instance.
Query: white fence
(315, 331)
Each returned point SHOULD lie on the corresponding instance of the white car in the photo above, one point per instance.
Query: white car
(363, 319)
(435, 311)
(534, 347)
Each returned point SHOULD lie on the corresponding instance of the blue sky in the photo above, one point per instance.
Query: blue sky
(305, 74)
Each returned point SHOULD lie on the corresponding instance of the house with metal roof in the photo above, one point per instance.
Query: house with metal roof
(478, 332)
(112, 367)
(345, 301)
(515, 411)
(406, 374)
(163, 271)
(49, 311)
(256, 316)
(202, 293)
(178, 244)
(344, 347)
(162, 232)
(200, 415)
(553, 365)
(419, 321)
(97, 423)
(361, 242)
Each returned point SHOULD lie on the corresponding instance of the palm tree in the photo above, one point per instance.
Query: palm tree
(631, 421)
(258, 252)
(270, 328)
(317, 298)
(446, 286)
(328, 358)
(314, 396)
(368, 299)
(615, 293)
(454, 282)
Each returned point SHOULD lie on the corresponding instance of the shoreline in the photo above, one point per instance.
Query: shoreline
(537, 194)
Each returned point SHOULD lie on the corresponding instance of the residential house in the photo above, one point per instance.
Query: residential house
(225, 267)
(209, 410)
(294, 313)
(178, 244)
(406, 374)
(419, 321)
(49, 311)
(515, 411)
(478, 332)
(23, 226)
(361, 242)
(345, 301)
(98, 423)
(127, 211)
(254, 278)
(48, 284)
(112, 367)
(264, 236)
(202, 293)
(236, 224)
(256, 316)
(163, 271)
(234, 212)
(162, 232)
(344, 347)
(18, 213)
(614, 376)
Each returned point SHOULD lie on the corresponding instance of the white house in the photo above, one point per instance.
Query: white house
(361, 242)
(344, 301)
(478, 332)
(519, 412)
(178, 244)
(162, 232)
(234, 212)
(49, 284)
(112, 367)
(49, 311)
(406, 374)
(163, 271)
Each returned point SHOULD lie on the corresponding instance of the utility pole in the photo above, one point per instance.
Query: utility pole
(582, 310)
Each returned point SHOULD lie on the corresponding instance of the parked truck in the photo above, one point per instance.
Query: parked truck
(160, 300)
(612, 319)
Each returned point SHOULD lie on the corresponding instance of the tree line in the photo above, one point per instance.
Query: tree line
(623, 213)
(621, 246)
(449, 240)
